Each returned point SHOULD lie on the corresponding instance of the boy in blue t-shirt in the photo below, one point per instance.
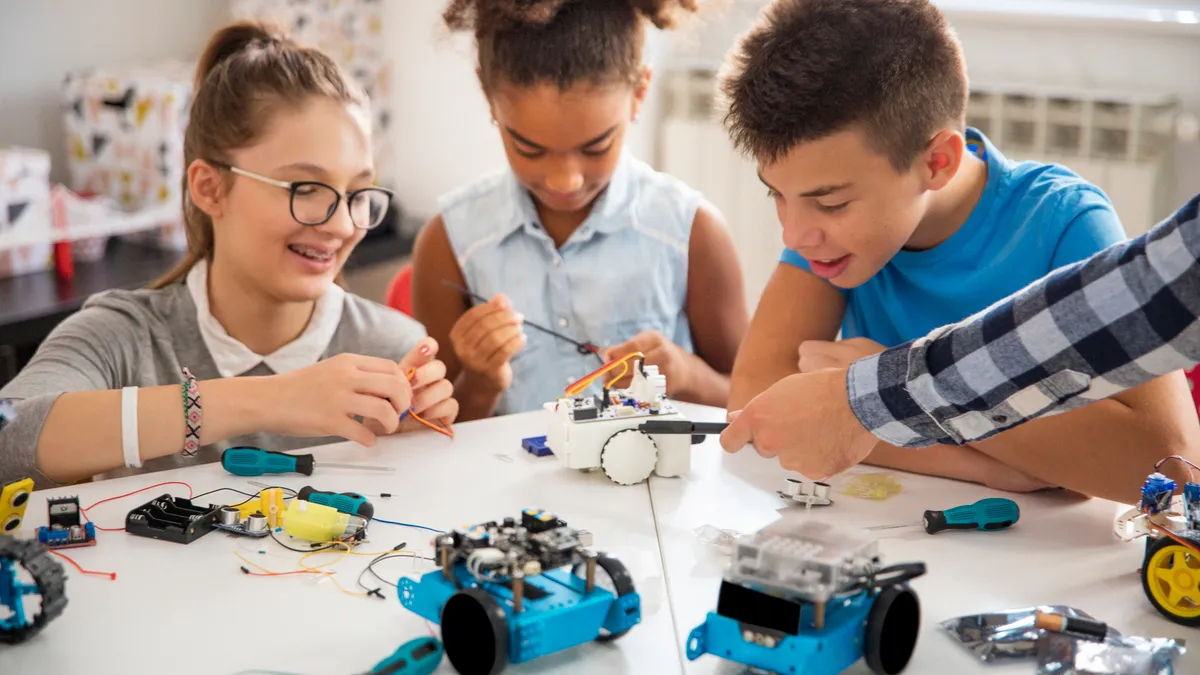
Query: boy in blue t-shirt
(899, 219)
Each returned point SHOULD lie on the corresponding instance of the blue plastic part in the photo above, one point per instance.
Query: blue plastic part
(415, 657)
(61, 538)
(828, 651)
(1156, 493)
(1191, 505)
(565, 617)
(12, 594)
(536, 446)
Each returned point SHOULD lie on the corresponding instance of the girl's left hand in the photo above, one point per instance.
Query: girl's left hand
(671, 359)
(433, 395)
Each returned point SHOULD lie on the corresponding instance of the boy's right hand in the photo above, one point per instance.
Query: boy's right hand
(323, 399)
(485, 337)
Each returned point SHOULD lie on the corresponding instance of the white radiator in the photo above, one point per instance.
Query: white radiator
(1121, 143)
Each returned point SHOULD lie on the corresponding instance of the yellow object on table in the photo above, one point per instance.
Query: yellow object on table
(873, 486)
(269, 502)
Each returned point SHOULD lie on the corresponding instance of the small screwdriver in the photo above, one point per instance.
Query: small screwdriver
(993, 513)
(346, 502)
(247, 461)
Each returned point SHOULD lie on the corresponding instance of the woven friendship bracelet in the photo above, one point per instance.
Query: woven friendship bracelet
(191, 414)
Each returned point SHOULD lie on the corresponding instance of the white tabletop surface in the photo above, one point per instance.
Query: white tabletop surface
(1060, 552)
(189, 609)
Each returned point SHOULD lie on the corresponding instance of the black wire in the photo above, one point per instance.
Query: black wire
(394, 553)
(247, 494)
(203, 494)
(302, 550)
(581, 347)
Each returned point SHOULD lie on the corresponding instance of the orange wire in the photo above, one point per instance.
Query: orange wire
(111, 575)
(591, 377)
(445, 429)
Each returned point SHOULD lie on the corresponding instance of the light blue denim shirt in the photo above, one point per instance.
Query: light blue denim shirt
(623, 271)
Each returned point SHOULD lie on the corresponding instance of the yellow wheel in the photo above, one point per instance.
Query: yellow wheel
(1171, 579)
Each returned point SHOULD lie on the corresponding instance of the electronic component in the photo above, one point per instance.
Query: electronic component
(66, 528)
(809, 493)
(319, 523)
(269, 502)
(627, 433)
(801, 596)
(172, 519)
(14, 497)
(513, 590)
(27, 559)
(229, 519)
(536, 446)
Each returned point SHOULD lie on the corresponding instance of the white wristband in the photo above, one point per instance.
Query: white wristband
(129, 428)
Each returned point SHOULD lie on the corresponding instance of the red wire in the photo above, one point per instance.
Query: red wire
(111, 575)
(129, 494)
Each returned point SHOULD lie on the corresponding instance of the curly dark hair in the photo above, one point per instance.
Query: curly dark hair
(809, 68)
(563, 42)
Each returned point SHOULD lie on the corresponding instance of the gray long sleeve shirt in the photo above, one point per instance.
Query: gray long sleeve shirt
(145, 338)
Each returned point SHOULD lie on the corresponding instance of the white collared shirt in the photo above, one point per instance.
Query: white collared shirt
(234, 358)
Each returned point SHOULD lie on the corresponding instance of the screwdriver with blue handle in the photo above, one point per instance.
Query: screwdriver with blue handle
(989, 515)
(247, 461)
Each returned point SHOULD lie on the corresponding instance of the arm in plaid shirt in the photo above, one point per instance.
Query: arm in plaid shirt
(1087, 331)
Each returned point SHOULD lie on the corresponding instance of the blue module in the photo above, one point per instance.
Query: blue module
(493, 614)
(536, 446)
(73, 537)
(1156, 493)
(1191, 505)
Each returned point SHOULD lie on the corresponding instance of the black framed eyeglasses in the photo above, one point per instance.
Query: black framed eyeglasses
(314, 203)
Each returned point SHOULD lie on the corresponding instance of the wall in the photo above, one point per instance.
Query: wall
(443, 136)
(41, 41)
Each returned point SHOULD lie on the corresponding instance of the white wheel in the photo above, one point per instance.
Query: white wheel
(628, 457)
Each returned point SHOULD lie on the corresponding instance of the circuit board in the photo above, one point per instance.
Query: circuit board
(539, 542)
(66, 528)
(619, 405)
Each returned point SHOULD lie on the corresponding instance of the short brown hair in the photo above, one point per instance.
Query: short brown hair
(246, 72)
(809, 68)
(561, 42)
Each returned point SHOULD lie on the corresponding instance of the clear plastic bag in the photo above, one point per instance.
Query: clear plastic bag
(1116, 655)
(1010, 636)
(1004, 636)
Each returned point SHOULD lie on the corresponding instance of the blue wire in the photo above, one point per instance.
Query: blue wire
(396, 522)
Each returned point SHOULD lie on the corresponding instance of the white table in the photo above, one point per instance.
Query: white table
(1061, 552)
(189, 609)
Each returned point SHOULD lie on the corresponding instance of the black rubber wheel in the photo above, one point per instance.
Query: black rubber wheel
(47, 575)
(892, 627)
(475, 633)
(618, 582)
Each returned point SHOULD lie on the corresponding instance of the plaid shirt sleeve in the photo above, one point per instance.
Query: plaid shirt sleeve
(1123, 317)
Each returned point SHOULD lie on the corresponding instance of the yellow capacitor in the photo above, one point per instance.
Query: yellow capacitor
(319, 523)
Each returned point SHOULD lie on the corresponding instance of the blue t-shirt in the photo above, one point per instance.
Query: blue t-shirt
(1031, 219)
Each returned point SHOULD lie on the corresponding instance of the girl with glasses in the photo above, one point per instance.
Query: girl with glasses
(251, 340)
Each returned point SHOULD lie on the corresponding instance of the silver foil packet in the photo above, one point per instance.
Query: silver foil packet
(1116, 655)
(1010, 636)
(1004, 636)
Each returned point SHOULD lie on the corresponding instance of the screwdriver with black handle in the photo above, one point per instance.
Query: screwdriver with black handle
(346, 502)
(247, 461)
(988, 515)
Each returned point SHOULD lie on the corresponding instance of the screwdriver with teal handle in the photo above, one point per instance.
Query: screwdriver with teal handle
(247, 461)
(989, 515)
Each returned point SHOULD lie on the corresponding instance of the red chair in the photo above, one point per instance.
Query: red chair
(399, 292)
(1193, 380)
